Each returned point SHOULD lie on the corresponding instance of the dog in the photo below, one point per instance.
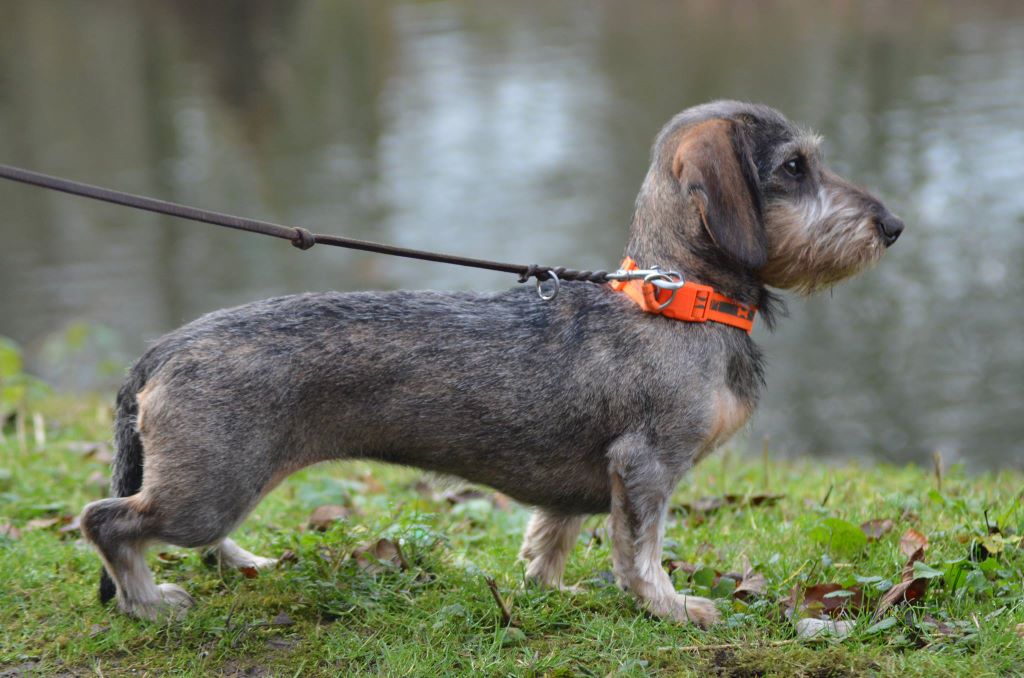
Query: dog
(597, 401)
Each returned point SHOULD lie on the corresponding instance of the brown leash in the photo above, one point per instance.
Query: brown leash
(299, 237)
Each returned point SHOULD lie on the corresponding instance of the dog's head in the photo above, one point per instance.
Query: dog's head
(740, 181)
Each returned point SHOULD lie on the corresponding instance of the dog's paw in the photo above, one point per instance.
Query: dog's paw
(259, 562)
(172, 604)
(687, 610)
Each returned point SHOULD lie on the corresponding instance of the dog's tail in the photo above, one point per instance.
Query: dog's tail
(126, 477)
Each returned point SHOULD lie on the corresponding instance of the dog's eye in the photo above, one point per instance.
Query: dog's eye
(794, 167)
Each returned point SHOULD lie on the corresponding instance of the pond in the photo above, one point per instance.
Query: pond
(521, 131)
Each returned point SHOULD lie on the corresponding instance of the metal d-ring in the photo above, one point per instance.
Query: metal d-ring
(665, 281)
(540, 288)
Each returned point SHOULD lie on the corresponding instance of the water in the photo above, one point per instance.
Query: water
(520, 131)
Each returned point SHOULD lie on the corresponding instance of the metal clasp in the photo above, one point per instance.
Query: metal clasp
(663, 280)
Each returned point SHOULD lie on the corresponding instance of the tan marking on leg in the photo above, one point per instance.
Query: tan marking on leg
(729, 414)
(546, 546)
(145, 399)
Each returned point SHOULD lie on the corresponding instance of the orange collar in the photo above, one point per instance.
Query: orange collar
(692, 302)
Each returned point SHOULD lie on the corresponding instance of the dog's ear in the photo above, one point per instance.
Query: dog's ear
(714, 165)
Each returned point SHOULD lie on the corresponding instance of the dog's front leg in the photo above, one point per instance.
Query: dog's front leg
(641, 486)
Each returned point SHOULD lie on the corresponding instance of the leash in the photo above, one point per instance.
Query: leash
(643, 286)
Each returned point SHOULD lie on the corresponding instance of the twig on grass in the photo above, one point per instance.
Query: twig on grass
(506, 614)
(722, 646)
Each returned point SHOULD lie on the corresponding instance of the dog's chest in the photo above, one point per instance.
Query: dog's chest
(728, 413)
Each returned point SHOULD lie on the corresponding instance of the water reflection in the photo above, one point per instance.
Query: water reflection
(521, 132)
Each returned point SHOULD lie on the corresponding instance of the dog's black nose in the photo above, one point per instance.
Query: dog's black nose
(890, 226)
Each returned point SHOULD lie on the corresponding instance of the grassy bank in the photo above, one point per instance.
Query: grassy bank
(427, 609)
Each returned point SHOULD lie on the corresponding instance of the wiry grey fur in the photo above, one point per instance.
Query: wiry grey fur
(577, 406)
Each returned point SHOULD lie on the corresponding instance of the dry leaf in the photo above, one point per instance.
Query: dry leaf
(9, 531)
(1020, 629)
(751, 584)
(817, 600)
(821, 628)
(324, 516)
(249, 572)
(42, 523)
(904, 592)
(909, 589)
(877, 528)
(377, 556)
(911, 542)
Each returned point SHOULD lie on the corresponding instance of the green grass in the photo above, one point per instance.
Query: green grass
(437, 617)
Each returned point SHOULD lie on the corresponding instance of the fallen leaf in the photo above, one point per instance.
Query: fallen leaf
(325, 516)
(71, 527)
(9, 531)
(751, 584)
(877, 528)
(911, 587)
(1020, 629)
(168, 556)
(911, 542)
(821, 599)
(378, 556)
(41, 523)
(282, 619)
(249, 572)
(904, 592)
(818, 628)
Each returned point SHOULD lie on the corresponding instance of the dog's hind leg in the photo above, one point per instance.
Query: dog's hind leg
(121, 529)
(230, 554)
(641, 488)
(549, 539)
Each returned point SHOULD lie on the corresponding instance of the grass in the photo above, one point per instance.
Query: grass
(325, 613)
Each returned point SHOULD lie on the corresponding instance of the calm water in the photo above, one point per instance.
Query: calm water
(520, 131)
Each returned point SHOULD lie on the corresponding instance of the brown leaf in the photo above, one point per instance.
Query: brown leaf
(909, 589)
(42, 523)
(325, 516)
(249, 572)
(877, 528)
(73, 526)
(1020, 629)
(9, 531)
(377, 556)
(500, 501)
(815, 600)
(911, 541)
(168, 556)
(904, 592)
(751, 583)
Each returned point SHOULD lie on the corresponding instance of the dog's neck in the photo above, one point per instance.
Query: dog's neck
(697, 259)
